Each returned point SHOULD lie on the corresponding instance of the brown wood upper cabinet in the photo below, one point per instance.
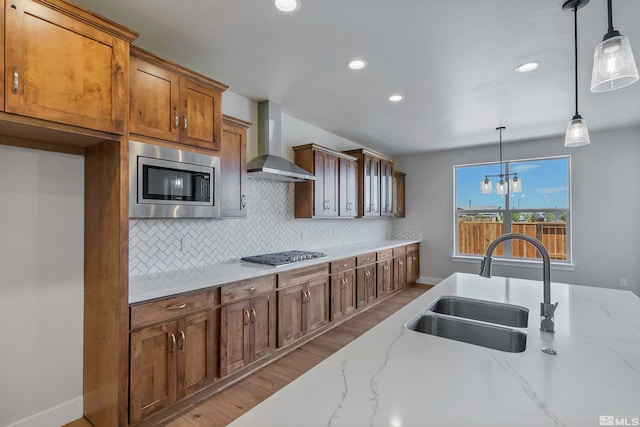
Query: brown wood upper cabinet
(64, 64)
(233, 162)
(334, 174)
(303, 302)
(399, 179)
(175, 358)
(247, 323)
(375, 189)
(173, 103)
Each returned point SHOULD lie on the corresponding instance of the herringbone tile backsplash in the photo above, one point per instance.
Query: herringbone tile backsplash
(161, 245)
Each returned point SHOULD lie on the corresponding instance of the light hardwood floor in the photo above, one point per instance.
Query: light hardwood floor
(235, 400)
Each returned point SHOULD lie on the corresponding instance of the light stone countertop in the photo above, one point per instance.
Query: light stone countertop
(391, 376)
(159, 285)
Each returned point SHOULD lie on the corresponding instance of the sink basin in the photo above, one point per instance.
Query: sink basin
(482, 334)
(485, 311)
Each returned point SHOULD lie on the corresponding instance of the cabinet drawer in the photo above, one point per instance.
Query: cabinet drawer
(247, 288)
(365, 259)
(385, 255)
(414, 247)
(173, 307)
(342, 265)
(399, 251)
(302, 275)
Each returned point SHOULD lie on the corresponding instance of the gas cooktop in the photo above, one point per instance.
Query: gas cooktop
(283, 258)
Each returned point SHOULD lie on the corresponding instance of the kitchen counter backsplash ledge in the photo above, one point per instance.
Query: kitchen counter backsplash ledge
(162, 284)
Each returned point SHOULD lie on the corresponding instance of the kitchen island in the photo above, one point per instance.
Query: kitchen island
(392, 376)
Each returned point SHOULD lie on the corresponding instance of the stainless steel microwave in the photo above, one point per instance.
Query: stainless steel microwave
(169, 183)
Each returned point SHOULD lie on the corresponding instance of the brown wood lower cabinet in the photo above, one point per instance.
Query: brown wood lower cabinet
(399, 268)
(343, 288)
(247, 322)
(413, 262)
(170, 361)
(366, 282)
(303, 302)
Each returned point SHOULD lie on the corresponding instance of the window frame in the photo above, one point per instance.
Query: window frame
(507, 221)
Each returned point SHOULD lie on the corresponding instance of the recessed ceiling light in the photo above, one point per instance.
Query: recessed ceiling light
(528, 66)
(396, 98)
(356, 64)
(287, 6)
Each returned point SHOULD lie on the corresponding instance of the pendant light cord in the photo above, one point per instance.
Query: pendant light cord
(610, 16)
(575, 41)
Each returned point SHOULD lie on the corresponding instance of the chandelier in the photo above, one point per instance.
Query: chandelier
(506, 184)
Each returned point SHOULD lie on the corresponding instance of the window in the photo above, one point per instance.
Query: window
(541, 210)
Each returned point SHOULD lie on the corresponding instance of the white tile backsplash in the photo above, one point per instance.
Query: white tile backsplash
(156, 245)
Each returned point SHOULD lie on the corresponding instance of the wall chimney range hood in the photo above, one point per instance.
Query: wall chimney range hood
(270, 164)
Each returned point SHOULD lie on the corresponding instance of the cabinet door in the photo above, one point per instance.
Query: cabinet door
(290, 324)
(348, 188)
(399, 199)
(317, 304)
(263, 324)
(349, 292)
(366, 284)
(413, 267)
(153, 370)
(384, 278)
(371, 186)
(331, 184)
(386, 188)
(2, 54)
(233, 167)
(336, 303)
(154, 101)
(197, 352)
(200, 115)
(234, 337)
(62, 69)
(399, 272)
(319, 199)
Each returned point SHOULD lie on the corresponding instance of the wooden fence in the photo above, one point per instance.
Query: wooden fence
(474, 238)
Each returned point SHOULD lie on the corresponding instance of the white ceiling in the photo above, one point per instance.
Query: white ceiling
(453, 60)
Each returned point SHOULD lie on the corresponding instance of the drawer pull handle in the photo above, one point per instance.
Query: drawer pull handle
(244, 201)
(246, 317)
(252, 289)
(178, 307)
(173, 343)
(345, 265)
(253, 315)
(183, 339)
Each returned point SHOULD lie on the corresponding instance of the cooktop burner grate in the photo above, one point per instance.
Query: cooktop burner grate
(283, 258)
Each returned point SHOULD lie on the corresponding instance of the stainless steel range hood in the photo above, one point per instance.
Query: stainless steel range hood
(270, 164)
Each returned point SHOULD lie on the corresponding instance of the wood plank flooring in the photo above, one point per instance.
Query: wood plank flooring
(232, 402)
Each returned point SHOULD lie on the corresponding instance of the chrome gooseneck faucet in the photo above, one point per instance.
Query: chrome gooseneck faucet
(546, 308)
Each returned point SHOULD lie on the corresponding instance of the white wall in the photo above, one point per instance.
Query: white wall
(41, 287)
(606, 204)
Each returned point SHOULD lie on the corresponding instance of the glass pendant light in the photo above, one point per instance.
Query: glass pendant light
(577, 133)
(510, 185)
(613, 64)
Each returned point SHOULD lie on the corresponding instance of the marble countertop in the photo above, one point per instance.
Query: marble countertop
(159, 285)
(391, 376)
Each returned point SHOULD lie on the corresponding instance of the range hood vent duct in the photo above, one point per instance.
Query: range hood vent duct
(270, 164)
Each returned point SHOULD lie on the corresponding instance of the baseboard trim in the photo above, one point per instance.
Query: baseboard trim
(59, 415)
(427, 280)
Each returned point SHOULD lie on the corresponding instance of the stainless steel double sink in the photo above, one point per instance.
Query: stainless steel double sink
(488, 324)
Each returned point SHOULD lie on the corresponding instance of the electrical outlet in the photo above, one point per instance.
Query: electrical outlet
(623, 283)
